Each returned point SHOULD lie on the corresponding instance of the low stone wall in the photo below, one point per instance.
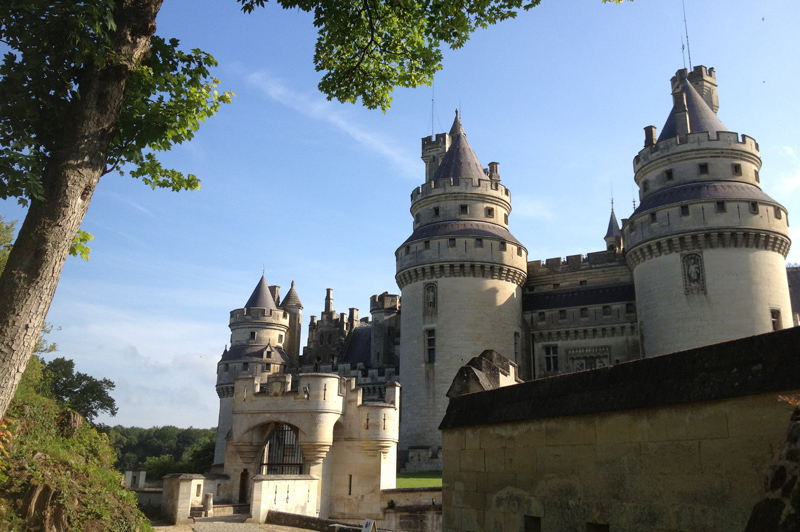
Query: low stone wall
(411, 509)
(293, 494)
(307, 522)
(677, 442)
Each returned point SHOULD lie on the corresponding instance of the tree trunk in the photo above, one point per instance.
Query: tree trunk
(71, 174)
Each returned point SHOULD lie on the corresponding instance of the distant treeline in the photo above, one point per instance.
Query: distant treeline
(162, 450)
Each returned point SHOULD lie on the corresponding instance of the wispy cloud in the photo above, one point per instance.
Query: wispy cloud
(323, 110)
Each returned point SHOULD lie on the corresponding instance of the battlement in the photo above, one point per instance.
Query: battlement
(435, 143)
(384, 301)
(572, 263)
(263, 315)
(443, 186)
(698, 73)
(723, 140)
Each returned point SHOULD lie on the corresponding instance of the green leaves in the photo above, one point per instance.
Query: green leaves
(53, 43)
(78, 248)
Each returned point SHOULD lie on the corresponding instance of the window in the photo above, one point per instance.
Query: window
(267, 368)
(583, 282)
(519, 251)
(436, 211)
(280, 338)
(684, 210)
(532, 524)
(754, 207)
(505, 218)
(645, 186)
(702, 168)
(430, 345)
(408, 249)
(416, 218)
(245, 366)
(606, 310)
(464, 209)
(199, 487)
(478, 242)
(252, 335)
(451, 242)
(490, 212)
(551, 358)
(584, 312)
(775, 317)
(562, 314)
(778, 213)
(630, 308)
(720, 206)
(758, 179)
(556, 285)
(668, 174)
(541, 316)
(653, 218)
(737, 169)
(427, 244)
(503, 246)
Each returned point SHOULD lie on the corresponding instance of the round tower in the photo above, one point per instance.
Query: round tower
(706, 244)
(460, 273)
(258, 333)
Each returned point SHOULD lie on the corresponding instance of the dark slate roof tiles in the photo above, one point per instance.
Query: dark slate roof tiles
(358, 348)
(701, 117)
(291, 299)
(703, 191)
(578, 298)
(246, 352)
(460, 162)
(261, 298)
(462, 229)
(613, 226)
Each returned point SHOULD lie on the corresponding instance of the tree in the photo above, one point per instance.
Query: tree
(84, 90)
(81, 392)
(87, 89)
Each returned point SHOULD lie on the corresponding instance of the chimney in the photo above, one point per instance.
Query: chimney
(681, 113)
(275, 292)
(493, 173)
(329, 300)
(650, 136)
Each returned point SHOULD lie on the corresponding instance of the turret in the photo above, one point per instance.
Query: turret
(460, 273)
(613, 236)
(291, 303)
(258, 332)
(706, 244)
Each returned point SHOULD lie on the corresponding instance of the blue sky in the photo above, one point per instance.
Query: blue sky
(318, 192)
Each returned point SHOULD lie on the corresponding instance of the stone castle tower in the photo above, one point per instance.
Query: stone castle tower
(706, 245)
(265, 339)
(461, 273)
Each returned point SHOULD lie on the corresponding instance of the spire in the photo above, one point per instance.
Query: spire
(261, 298)
(460, 161)
(291, 299)
(701, 117)
(613, 226)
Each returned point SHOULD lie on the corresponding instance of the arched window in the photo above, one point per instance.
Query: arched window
(282, 454)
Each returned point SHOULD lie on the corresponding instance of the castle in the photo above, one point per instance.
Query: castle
(700, 261)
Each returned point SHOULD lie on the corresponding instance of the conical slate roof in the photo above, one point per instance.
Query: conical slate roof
(261, 298)
(291, 299)
(460, 161)
(613, 226)
(701, 117)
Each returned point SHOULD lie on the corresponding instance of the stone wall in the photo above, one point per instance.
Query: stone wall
(677, 442)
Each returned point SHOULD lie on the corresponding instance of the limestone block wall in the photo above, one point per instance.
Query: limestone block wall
(742, 286)
(675, 443)
(355, 481)
(295, 494)
(472, 314)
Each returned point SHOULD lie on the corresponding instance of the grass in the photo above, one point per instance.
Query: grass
(428, 479)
